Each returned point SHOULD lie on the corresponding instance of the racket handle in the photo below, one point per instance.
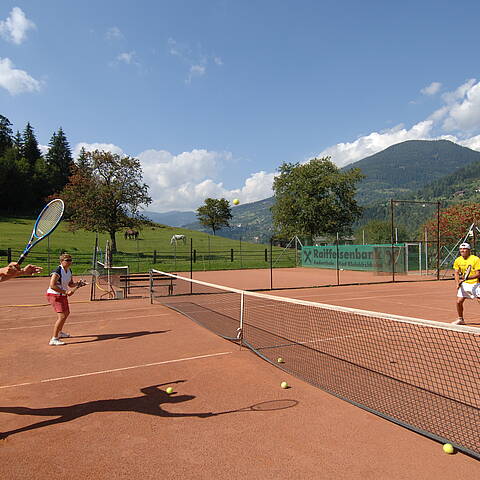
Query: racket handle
(23, 256)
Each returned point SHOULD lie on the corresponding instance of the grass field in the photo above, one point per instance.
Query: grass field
(151, 250)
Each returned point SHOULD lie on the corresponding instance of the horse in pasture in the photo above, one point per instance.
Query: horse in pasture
(131, 234)
(178, 238)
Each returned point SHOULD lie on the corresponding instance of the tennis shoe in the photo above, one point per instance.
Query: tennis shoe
(64, 335)
(55, 341)
(460, 321)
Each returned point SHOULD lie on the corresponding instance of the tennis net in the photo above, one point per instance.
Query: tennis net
(421, 374)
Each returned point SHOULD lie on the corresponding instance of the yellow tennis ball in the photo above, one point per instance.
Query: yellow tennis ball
(169, 390)
(284, 385)
(236, 201)
(279, 360)
(448, 448)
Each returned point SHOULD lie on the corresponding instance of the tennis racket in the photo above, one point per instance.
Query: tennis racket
(466, 274)
(46, 223)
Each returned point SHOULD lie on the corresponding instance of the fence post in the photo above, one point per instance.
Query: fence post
(9, 255)
(154, 257)
(231, 254)
(266, 255)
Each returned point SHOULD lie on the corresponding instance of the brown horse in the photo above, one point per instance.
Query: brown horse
(131, 234)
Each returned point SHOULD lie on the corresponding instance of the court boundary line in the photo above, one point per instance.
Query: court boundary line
(112, 370)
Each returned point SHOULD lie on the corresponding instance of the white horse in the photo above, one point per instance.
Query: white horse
(177, 238)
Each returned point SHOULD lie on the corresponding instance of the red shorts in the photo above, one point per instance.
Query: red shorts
(58, 302)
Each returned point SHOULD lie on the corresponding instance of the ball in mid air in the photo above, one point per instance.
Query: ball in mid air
(169, 390)
(448, 448)
(236, 201)
(284, 385)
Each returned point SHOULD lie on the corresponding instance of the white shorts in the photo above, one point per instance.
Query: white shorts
(469, 290)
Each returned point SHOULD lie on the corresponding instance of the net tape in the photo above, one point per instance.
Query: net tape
(421, 374)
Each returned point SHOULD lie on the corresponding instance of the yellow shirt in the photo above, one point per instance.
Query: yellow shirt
(461, 265)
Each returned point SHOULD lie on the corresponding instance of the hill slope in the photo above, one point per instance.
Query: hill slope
(406, 167)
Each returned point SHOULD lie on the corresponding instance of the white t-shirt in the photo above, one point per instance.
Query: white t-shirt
(63, 282)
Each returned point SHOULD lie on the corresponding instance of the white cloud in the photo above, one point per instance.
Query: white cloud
(127, 57)
(14, 29)
(345, 153)
(218, 61)
(184, 181)
(464, 114)
(431, 89)
(195, 71)
(16, 81)
(90, 147)
(43, 149)
(113, 33)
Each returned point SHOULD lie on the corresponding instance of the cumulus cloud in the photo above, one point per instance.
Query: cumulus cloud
(464, 114)
(43, 149)
(14, 29)
(348, 152)
(431, 89)
(183, 181)
(113, 33)
(16, 81)
(90, 147)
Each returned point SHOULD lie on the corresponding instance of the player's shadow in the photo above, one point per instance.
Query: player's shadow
(150, 403)
(111, 336)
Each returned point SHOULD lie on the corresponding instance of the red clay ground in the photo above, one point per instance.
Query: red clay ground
(97, 408)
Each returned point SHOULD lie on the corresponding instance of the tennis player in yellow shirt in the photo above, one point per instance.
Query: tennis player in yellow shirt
(467, 288)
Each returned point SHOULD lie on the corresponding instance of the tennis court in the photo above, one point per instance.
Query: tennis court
(97, 407)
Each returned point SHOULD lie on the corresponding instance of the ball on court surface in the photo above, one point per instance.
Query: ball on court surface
(279, 360)
(284, 385)
(169, 390)
(448, 448)
(236, 201)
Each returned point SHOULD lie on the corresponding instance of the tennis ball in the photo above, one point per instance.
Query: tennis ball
(279, 360)
(169, 390)
(236, 201)
(284, 385)
(448, 448)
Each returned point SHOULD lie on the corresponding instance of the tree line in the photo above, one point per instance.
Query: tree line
(27, 177)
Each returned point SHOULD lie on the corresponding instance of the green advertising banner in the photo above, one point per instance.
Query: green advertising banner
(355, 257)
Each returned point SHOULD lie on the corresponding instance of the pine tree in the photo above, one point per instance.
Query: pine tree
(30, 150)
(59, 159)
(5, 134)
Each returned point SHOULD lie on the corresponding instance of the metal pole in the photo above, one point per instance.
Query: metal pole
(438, 240)
(191, 264)
(271, 263)
(392, 239)
(94, 267)
(337, 262)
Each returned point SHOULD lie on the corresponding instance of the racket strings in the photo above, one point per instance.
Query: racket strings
(49, 219)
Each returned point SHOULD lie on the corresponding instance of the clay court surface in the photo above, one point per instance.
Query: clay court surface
(97, 407)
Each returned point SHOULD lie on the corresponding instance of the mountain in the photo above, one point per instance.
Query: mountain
(174, 218)
(404, 168)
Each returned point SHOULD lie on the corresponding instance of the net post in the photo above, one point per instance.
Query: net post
(191, 263)
(438, 240)
(94, 267)
(337, 265)
(151, 286)
(392, 234)
(271, 263)
(240, 328)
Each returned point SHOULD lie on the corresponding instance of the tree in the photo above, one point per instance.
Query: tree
(454, 222)
(6, 134)
(379, 232)
(59, 159)
(315, 198)
(30, 150)
(215, 213)
(105, 193)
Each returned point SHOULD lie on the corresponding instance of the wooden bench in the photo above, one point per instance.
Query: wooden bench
(145, 278)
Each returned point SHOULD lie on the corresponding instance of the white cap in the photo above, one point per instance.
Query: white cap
(465, 245)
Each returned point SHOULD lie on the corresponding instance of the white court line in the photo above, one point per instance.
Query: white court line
(90, 313)
(101, 372)
(86, 321)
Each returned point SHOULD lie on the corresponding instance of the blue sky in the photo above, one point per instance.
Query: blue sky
(213, 95)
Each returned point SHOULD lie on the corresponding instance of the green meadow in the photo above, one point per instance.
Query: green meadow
(152, 249)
